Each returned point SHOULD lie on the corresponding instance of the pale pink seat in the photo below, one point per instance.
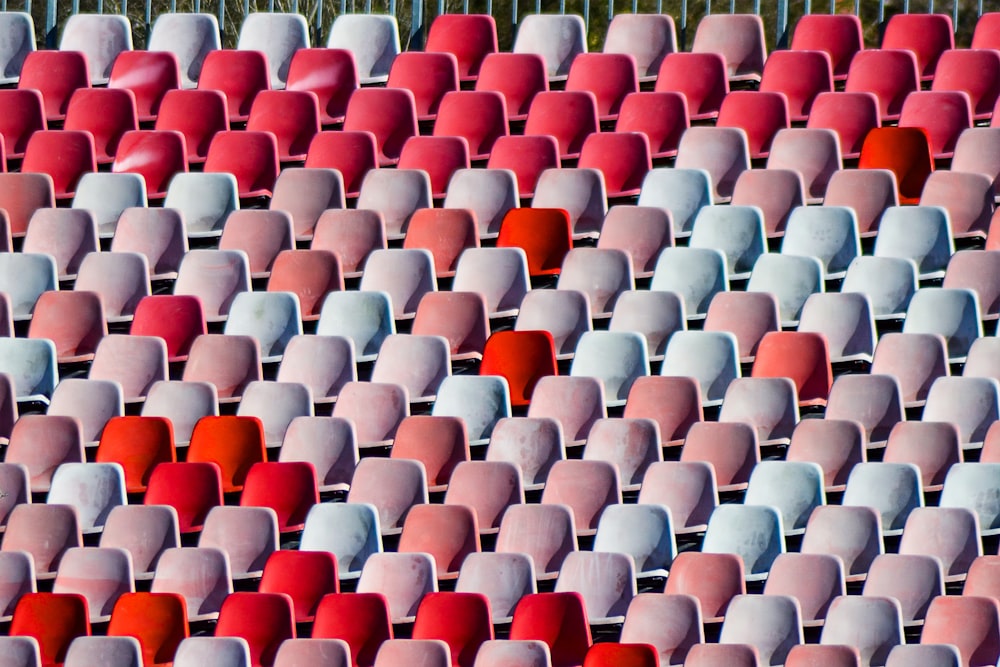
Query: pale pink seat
(145, 531)
(403, 578)
(45, 532)
(545, 532)
(814, 580)
(101, 575)
(687, 488)
(913, 580)
(134, 362)
(201, 575)
(393, 486)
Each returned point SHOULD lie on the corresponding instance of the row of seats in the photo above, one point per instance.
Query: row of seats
(454, 629)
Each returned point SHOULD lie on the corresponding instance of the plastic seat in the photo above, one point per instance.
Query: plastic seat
(100, 37)
(15, 477)
(449, 533)
(700, 77)
(334, 652)
(875, 401)
(215, 277)
(973, 153)
(230, 362)
(932, 446)
(814, 152)
(489, 193)
(56, 75)
(288, 488)
(533, 465)
(527, 157)
(248, 536)
(739, 38)
(927, 36)
(609, 76)
(813, 378)
(76, 156)
(138, 444)
(670, 623)
(264, 620)
(469, 37)
(616, 358)
(92, 489)
(178, 320)
(403, 578)
(405, 275)
(559, 620)
(24, 277)
(488, 487)
(272, 318)
(460, 317)
(120, 279)
(967, 622)
(518, 77)
(662, 116)
(251, 156)
(439, 156)
(713, 579)
(913, 580)
(350, 531)
(687, 488)
(761, 114)
(149, 75)
(871, 624)
(372, 38)
(847, 322)
(839, 35)
(813, 580)
(562, 486)
(569, 116)
(580, 192)
(891, 74)
(330, 74)
(68, 235)
(479, 117)
(222, 651)
(73, 321)
(621, 654)
(157, 620)
(522, 532)
(770, 405)
(770, 623)
(903, 150)
(325, 381)
(305, 194)
(278, 36)
(409, 488)
(23, 194)
(328, 443)
(643, 532)
(755, 534)
(112, 651)
(800, 75)
(942, 114)
(709, 357)
(292, 116)
(923, 654)
(389, 114)
(418, 363)
(428, 75)
(23, 115)
(622, 157)
(600, 273)
(192, 488)
(777, 192)
(969, 485)
(376, 409)
(363, 317)
(732, 449)
(695, 274)
(968, 198)
(20, 29)
(283, 573)
(949, 534)
(198, 115)
(440, 443)
(189, 37)
(956, 317)
(276, 404)
(204, 201)
(503, 578)
(54, 620)
(979, 581)
(41, 443)
(479, 400)
(646, 37)
(308, 274)
(773, 273)
(156, 156)
(201, 575)
(869, 192)
(867, 486)
(710, 655)
(852, 533)
(723, 152)
(32, 366)
(45, 532)
(101, 575)
(557, 38)
(145, 531)
(361, 620)
(397, 194)
(239, 75)
(799, 491)
(106, 113)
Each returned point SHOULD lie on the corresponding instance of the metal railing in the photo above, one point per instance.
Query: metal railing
(415, 16)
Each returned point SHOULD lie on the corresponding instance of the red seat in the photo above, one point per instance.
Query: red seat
(149, 75)
(331, 74)
(107, 113)
(523, 358)
(56, 75)
(388, 113)
(156, 155)
(196, 114)
(252, 157)
(64, 155)
(239, 75)
(469, 37)
(293, 118)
